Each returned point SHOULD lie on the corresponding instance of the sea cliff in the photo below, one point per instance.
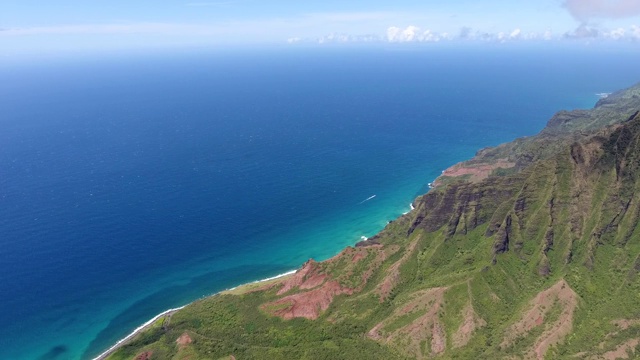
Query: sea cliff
(530, 249)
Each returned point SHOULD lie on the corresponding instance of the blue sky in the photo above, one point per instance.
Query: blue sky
(63, 25)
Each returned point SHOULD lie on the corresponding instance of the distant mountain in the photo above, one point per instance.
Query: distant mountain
(530, 250)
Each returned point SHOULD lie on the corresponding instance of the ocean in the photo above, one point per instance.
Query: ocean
(135, 183)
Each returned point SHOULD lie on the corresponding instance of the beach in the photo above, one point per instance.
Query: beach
(167, 314)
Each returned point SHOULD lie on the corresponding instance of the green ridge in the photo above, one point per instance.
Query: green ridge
(540, 261)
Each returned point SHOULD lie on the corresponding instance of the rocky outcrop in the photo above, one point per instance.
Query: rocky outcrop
(311, 289)
(308, 304)
(184, 340)
(461, 207)
(308, 277)
(501, 244)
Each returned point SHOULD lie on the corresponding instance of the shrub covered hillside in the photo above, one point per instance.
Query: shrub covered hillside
(531, 250)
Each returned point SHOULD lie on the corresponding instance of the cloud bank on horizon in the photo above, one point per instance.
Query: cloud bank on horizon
(584, 11)
(211, 23)
(414, 34)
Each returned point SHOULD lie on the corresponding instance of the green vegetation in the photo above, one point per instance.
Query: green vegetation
(538, 261)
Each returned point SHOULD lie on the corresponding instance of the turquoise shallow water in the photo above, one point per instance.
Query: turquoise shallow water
(130, 185)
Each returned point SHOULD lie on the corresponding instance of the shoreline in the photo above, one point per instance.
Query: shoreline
(135, 332)
(257, 282)
(150, 322)
(453, 171)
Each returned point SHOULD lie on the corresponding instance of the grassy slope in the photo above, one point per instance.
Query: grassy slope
(541, 262)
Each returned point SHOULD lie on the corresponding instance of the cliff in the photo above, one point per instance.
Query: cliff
(563, 128)
(535, 258)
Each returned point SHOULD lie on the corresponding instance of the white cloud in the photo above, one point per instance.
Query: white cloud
(334, 38)
(585, 10)
(589, 32)
(410, 33)
(291, 30)
(431, 36)
(515, 34)
(392, 32)
(582, 32)
(395, 34)
(616, 34)
(413, 33)
(345, 38)
(632, 33)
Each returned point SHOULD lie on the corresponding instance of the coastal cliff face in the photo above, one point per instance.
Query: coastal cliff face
(537, 257)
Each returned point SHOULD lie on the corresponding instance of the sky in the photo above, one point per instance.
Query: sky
(33, 26)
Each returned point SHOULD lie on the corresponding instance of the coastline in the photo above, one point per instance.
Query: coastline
(240, 289)
(236, 290)
(455, 170)
(135, 332)
(146, 325)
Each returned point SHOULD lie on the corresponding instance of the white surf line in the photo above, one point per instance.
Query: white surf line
(145, 325)
(367, 199)
(263, 280)
(134, 333)
(276, 277)
(411, 208)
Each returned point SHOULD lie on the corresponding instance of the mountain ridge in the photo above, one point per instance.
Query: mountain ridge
(535, 260)
(563, 126)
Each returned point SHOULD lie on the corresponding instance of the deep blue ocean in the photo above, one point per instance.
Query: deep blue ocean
(131, 184)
